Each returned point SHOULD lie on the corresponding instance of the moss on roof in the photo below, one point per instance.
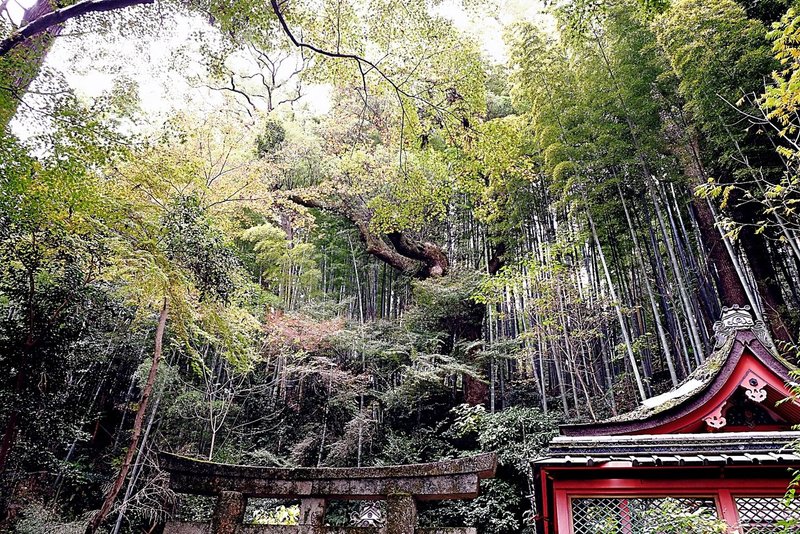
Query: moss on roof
(705, 373)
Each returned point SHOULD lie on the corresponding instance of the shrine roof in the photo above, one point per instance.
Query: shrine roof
(735, 335)
(573, 448)
(656, 450)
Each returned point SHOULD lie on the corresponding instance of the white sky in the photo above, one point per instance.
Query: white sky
(162, 65)
(488, 29)
(16, 8)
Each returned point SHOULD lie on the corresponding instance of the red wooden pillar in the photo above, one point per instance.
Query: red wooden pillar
(563, 513)
(727, 509)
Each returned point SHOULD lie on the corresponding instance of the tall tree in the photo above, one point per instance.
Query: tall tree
(712, 80)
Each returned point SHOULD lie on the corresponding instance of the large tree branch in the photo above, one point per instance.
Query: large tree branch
(415, 258)
(430, 254)
(386, 253)
(59, 16)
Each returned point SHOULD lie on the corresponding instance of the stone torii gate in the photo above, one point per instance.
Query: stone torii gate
(400, 486)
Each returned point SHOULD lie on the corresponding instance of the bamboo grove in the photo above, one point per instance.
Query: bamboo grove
(454, 255)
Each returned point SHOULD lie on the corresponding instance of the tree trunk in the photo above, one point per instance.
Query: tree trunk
(617, 307)
(10, 434)
(50, 20)
(662, 337)
(730, 286)
(115, 488)
(758, 256)
(683, 293)
(137, 467)
(476, 391)
(21, 66)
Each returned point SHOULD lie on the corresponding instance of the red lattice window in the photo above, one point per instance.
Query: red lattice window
(621, 515)
(767, 515)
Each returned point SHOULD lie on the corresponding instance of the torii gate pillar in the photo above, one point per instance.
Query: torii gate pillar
(401, 513)
(229, 512)
(401, 486)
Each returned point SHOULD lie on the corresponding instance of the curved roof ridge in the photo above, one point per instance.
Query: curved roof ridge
(736, 325)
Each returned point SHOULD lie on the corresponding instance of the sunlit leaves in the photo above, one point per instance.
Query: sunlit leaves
(176, 207)
(416, 195)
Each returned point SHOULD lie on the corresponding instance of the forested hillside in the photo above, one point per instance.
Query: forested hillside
(453, 254)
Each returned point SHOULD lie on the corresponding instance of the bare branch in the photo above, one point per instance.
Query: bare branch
(361, 61)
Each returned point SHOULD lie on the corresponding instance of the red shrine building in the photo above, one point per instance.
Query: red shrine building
(715, 450)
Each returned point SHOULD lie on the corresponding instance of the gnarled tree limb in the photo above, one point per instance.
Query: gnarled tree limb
(431, 255)
(411, 257)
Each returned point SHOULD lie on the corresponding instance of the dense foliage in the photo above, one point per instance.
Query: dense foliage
(454, 257)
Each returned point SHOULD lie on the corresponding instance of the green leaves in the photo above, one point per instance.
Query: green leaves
(719, 55)
(414, 196)
(195, 245)
(283, 263)
(271, 139)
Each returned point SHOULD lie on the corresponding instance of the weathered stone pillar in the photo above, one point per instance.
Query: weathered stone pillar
(228, 513)
(312, 515)
(401, 486)
(401, 514)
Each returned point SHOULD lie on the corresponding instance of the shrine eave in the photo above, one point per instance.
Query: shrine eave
(697, 391)
(674, 450)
